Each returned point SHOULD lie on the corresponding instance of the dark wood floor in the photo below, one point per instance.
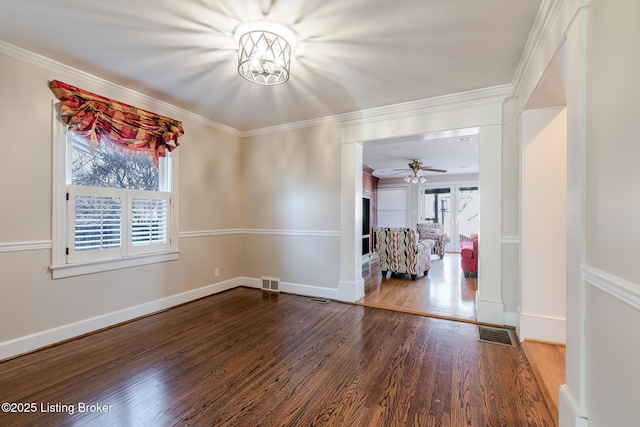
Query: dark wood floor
(444, 292)
(248, 358)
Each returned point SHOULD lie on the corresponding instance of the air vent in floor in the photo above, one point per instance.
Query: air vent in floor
(270, 284)
(496, 336)
(318, 300)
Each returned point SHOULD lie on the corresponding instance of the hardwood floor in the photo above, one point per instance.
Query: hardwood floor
(248, 358)
(444, 292)
(548, 363)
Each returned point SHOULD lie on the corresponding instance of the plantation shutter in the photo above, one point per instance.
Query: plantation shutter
(149, 211)
(94, 223)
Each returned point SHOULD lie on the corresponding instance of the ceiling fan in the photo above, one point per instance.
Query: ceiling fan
(416, 167)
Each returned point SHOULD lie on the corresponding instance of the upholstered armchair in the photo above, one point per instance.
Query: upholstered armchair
(400, 251)
(433, 231)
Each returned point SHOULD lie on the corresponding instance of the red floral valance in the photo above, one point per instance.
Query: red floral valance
(128, 129)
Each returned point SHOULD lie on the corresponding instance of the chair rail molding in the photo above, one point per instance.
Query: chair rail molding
(621, 289)
(28, 245)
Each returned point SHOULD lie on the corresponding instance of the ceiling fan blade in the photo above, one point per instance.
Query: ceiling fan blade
(427, 168)
(405, 169)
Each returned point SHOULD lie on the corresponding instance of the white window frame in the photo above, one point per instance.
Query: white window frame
(60, 266)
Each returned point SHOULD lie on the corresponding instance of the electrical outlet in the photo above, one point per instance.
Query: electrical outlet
(217, 272)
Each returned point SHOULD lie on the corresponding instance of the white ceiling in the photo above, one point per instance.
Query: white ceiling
(455, 151)
(351, 55)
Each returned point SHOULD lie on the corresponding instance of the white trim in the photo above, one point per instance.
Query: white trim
(510, 319)
(542, 327)
(397, 110)
(351, 291)
(294, 288)
(430, 105)
(571, 414)
(305, 233)
(57, 67)
(621, 289)
(512, 240)
(38, 340)
(58, 188)
(472, 97)
(80, 268)
(208, 233)
(492, 311)
(30, 245)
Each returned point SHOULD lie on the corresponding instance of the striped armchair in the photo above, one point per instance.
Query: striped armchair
(401, 252)
(434, 232)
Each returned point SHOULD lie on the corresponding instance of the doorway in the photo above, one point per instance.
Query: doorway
(487, 117)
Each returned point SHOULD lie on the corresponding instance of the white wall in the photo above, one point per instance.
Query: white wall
(612, 307)
(596, 41)
(544, 200)
(36, 310)
(291, 209)
(510, 211)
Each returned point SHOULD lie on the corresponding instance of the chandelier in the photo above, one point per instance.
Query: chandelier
(264, 52)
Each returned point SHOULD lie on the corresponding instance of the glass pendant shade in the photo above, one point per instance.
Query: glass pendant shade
(415, 179)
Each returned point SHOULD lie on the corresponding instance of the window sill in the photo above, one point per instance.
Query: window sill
(78, 269)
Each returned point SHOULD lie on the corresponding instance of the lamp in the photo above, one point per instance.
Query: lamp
(264, 52)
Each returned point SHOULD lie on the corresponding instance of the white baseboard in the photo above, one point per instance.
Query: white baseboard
(510, 319)
(571, 414)
(38, 340)
(351, 292)
(294, 288)
(543, 328)
(490, 312)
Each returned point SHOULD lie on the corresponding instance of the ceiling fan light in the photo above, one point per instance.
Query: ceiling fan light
(423, 180)
(407, 179)
(415, 179)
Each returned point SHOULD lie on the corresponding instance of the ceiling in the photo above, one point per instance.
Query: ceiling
(455, 151)
(351, 55)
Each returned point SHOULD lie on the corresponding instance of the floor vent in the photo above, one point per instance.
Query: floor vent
(496, 336)
(318, 300)
(270, 284)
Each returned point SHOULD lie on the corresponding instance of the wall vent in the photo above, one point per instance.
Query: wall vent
(270, 284)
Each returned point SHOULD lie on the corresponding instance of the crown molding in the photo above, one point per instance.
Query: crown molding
(549, 13)
(444, 102)
(58, 67)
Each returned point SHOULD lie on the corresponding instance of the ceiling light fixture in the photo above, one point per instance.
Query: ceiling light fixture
(264, 52)
(416, 176)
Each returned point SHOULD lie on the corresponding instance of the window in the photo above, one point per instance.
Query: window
(392, 207)
(116, 205)
(112, 208)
